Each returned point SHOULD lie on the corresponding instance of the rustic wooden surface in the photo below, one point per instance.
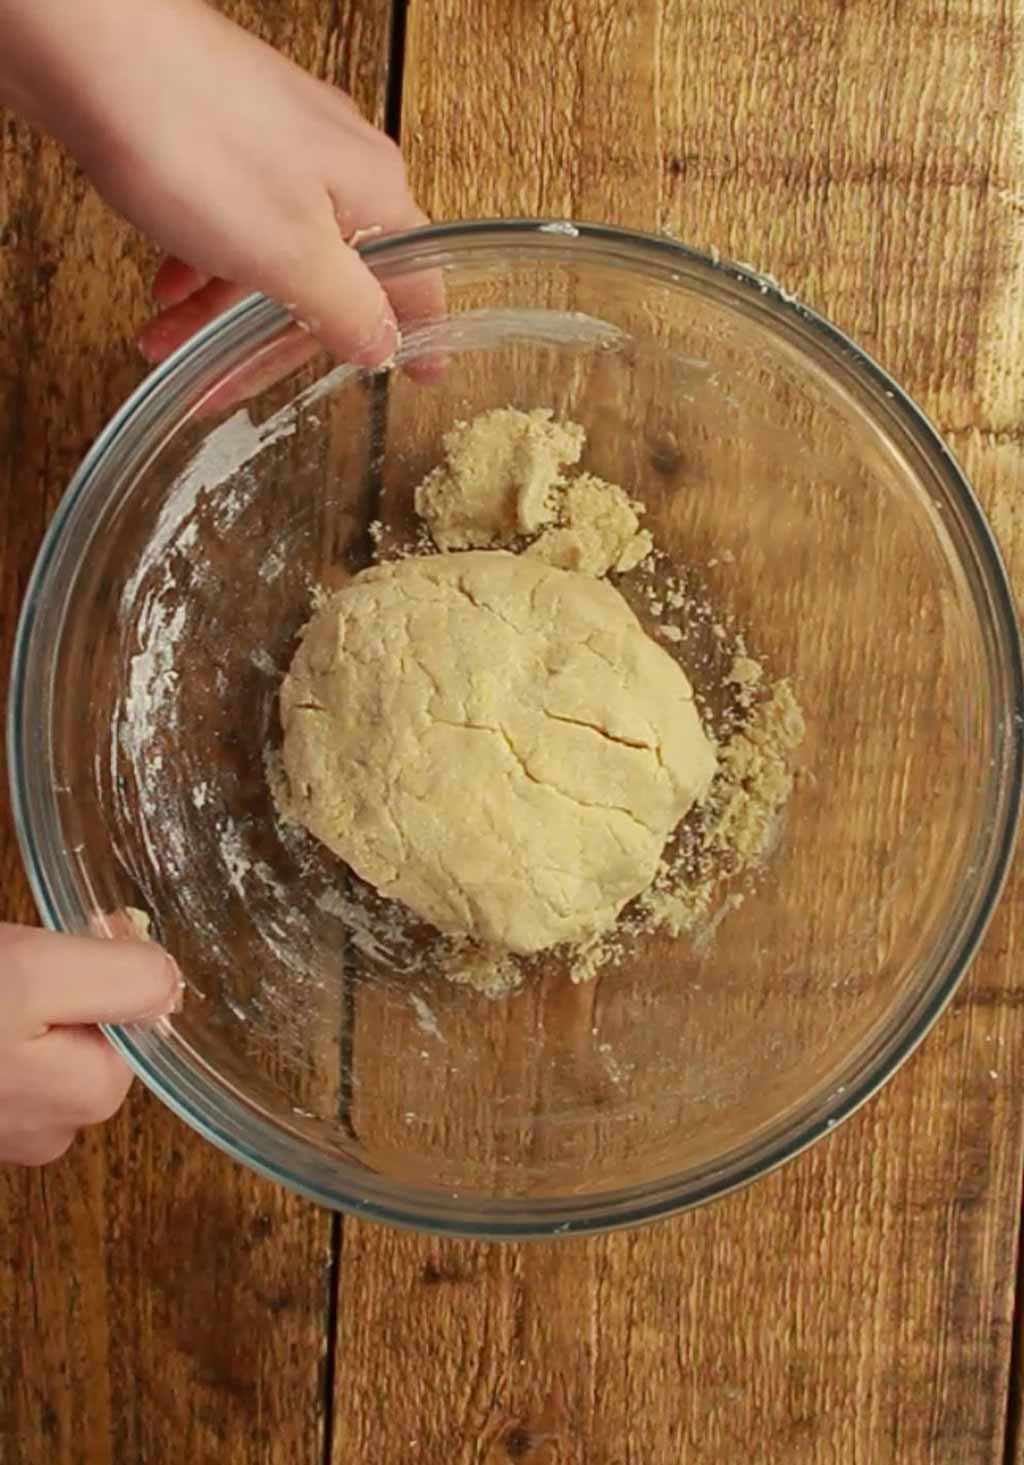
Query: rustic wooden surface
(157, 1303)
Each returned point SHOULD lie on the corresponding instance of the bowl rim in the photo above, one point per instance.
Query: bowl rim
(606, 1210)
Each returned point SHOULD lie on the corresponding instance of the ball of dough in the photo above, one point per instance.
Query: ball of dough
(493, 741)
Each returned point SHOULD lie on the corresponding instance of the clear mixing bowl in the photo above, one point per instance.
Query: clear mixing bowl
(815, 504)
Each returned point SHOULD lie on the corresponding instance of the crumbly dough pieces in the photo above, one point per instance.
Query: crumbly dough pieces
(598, 530)
(498, 477)
(495, 742)
(503, 479)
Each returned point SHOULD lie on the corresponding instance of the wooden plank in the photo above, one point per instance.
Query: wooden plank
(157, 1302)
(857, 1306)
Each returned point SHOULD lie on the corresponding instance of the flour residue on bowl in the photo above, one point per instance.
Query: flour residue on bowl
(190, 837)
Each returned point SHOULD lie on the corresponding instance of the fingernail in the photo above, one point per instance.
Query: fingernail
(178, 990)
(380, 351)
(172, 1002)
(389, 361)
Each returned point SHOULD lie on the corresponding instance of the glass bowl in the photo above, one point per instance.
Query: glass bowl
(777, 463)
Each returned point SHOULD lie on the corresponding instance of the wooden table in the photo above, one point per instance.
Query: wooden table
(158, 1303)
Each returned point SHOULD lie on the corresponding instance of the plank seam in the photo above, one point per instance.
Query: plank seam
(330, 1366)
(392, 125)
(396, 69)
(1012, 1440)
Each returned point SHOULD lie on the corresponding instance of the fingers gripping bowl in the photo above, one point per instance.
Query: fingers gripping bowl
(811, 504)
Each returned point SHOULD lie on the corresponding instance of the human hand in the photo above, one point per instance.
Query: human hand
(57, 1070)
(249, 172)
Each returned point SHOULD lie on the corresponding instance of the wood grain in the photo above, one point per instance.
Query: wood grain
(856, 1307)
(157, 1302)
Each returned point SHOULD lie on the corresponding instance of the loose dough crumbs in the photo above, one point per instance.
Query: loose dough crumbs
(498, 477)
(494, 743)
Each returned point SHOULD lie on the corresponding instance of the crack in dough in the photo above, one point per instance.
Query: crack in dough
(476, 759)
(601, 732)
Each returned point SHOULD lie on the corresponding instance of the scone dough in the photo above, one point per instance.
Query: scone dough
(598, 530)
(493, 741)
(499, 477)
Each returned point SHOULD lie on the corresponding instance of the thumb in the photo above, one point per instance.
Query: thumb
(341, 302)
(50, 980)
